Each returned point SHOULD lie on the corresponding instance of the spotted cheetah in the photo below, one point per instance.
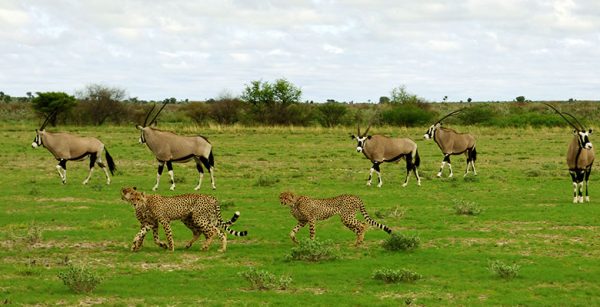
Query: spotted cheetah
(309, 210)
(200, 213)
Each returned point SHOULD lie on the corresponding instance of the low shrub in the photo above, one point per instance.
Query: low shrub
(393, 276)
(504, 271)
(264, 280)
(79, 279)
(266, 181)
(401, 242)
(313, 251)
(408, 115)
(463, 207)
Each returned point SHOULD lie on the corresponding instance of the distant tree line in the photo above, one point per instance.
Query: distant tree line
(280, 103)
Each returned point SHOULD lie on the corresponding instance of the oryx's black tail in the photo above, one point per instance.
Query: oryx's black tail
(110, 162)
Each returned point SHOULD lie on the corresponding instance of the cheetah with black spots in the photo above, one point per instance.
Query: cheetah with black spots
(200, 213)
(309, 210)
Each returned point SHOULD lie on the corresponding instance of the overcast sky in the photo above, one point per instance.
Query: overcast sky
(342, 50)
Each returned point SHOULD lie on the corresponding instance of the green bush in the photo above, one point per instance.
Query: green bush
(331, 113)
(313, 251)
(483, 114)
(266, 181)
(394, 276)
(504, 271)
(463, 207)
(79, 279)
(409, 115)
(264, 280)
(401, 242)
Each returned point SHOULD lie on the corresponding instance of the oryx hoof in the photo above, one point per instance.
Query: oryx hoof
(575, 199)
(581, 199)
(172, 188)
(154, 188)
(84, 182)
(587, 199)
(450, 176)
(439, 175)
(214, 187)
(419, 183)
(369, 184)
(379, 185)
(197, 188)
(222, 250)
(404, 185)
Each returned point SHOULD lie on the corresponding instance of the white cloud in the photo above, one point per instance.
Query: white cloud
(352, 50)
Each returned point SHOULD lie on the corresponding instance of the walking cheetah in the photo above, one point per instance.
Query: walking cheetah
(200, 213)
(309, 210)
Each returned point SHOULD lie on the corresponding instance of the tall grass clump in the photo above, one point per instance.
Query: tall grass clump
(313, 251)
(394, 276)
(79, 279)
(463, 207)
(264, 280)
(266, 181)
(401, 242)
(504, 271)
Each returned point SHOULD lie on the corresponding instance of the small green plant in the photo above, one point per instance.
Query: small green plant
(463, 207)
(266, 181)
(79, 279)
(264, 280)
(227, 204)
(393, 276)
(401, 242)
(313, 251)
(34, 234)
(504, 271)
(395, 213)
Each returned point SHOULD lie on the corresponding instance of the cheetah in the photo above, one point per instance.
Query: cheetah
(200, 213)
(309, 210)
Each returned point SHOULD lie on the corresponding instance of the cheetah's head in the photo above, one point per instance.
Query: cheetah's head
(288, 198)
(133, 196)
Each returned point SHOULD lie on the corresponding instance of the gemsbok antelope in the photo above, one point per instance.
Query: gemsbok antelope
(169, 147)
(452, 143)
(379, 149)
(67, 147)
(580, 157)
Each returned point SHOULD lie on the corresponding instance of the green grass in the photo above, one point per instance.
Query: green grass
(522, 184)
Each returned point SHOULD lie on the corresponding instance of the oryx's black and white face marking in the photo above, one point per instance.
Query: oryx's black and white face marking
(584, 139)
(37, 141)
(142, 139)
(361, 140)
(431, 131)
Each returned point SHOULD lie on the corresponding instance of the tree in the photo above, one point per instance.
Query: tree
(469, 99)
(400, 95)
(332, 113)
(102, 102)
(50, 102)
(270, 102)
(520, 99)
(384, 99)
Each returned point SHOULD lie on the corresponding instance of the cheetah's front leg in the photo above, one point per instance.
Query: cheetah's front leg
(295, 230)
(138, 240)
(157, 238)
(167, 226)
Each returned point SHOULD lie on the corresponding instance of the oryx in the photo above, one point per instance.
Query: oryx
(379, 149)
(580, 157)
(67, 147)
(452, 143)
(169, 147)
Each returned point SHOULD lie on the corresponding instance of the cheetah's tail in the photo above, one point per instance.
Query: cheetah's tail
(373, 222)
(226, 225)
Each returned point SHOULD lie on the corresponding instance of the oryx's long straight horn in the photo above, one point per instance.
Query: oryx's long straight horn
(448, 115)
(561, 115)
(148, 115)
(47, 120)
(581, 126)
(157, 113)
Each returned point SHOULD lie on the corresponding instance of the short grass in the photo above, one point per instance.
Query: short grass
(522, 185)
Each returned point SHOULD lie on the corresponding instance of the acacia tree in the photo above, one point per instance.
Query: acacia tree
(270, 103)
(102, 102)
(52, 102)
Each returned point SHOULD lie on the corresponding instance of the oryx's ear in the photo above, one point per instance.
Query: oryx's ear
(590, 132)
(368, 137)
(138, 127)
(575, 131)
(352, 136)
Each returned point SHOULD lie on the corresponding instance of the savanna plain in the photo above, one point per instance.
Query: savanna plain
(522, 188)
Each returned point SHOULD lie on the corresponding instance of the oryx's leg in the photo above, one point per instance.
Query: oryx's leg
(296, 229)
(446, 160)
(587, 178)
(200, 173)
(376, 167)
(210, 171)
(161, 166)
(580, 177)
(574, 179)
(409, 167)
(416, 172)
(103, 167)
(170, 168)
(92, 162)
(61, 167)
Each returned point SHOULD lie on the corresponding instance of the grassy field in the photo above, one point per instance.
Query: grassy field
(522, 187)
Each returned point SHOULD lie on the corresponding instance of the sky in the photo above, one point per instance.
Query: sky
(352, 50)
